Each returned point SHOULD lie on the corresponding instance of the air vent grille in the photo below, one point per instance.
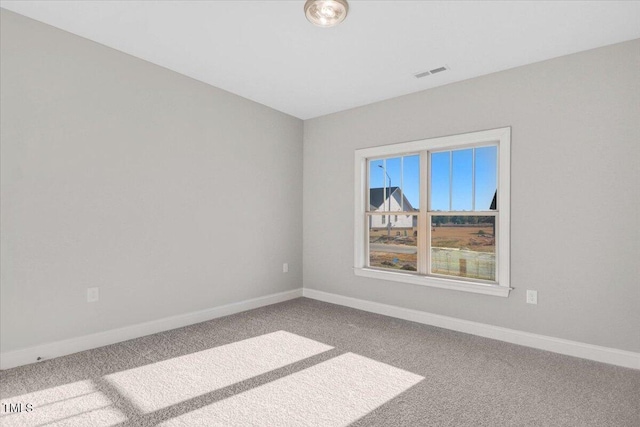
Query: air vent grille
(430, 72)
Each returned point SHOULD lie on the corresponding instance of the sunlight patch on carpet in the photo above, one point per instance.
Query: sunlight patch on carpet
(336, 392)
(74, 404)
(161, 384)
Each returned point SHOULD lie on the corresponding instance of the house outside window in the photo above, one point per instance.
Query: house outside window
(450, 201)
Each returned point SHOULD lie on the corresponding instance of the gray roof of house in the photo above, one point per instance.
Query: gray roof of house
(379, 195)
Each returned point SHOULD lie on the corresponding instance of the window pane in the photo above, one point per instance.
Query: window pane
(411, 182)
(462, 180)
(393, 174)
(389, 179)
(377, 181)
(393, 243)
(440, 172)
(463, 246)
(486, 177)
(384, 182)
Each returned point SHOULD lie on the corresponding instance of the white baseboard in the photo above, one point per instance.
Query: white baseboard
(627, 359)
(612, 356)
(11, 359)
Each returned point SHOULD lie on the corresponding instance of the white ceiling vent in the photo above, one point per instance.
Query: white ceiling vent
(430, 72)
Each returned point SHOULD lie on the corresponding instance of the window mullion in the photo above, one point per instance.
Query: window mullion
(473, 179)
(450, 180)
(424, 233)
(401, 184)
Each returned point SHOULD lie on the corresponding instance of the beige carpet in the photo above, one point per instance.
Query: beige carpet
(308, 363)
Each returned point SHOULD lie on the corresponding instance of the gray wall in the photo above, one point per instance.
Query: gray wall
(173, 196)
(168, 194)
(575, 207)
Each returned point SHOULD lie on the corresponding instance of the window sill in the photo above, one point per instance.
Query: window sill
(434, 282)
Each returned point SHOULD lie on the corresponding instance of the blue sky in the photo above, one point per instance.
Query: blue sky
(460, 180)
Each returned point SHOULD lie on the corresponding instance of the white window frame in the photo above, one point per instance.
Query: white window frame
(502, 138)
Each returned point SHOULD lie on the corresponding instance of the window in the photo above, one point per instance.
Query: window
(450, 201)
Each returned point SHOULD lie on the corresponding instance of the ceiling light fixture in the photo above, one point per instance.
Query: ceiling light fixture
(326, 13)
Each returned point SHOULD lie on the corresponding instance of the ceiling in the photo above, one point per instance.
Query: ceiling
(267, 51)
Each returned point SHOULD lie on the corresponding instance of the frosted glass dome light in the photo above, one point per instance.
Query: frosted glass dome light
(326, 13)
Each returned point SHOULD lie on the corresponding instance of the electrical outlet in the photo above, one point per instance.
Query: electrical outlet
(93, 294)
(285, 267)
(532, 297)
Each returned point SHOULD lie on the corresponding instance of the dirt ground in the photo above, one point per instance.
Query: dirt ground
(473, 238)
(478, 239)
(408, 262)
